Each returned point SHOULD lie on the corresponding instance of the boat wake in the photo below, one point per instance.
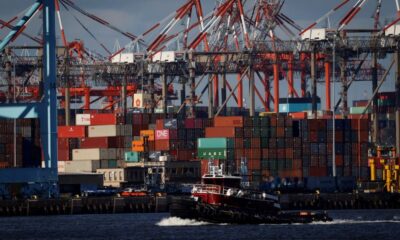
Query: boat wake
(175, 221)
(352, 221)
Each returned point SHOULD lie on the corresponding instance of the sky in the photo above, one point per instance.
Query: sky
(136, 16)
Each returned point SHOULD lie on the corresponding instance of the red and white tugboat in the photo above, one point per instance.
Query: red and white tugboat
(221, 199)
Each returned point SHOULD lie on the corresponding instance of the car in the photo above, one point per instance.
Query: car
(134, 192)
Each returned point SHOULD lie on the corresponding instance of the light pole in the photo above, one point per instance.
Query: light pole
(333, 108)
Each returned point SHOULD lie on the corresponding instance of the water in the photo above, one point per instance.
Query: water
(347, 224)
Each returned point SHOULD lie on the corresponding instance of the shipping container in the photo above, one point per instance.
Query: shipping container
(102, 131)
(103, 119)
(71, 131)
(82, 166)
(210, 143)
(236, 121)
(220, 132)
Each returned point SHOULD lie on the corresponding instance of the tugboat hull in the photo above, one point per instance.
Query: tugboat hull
(189, 208)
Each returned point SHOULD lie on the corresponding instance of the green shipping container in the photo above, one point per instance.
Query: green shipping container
(358, 110)
(131, 156)
(211, 153)
(212, 143)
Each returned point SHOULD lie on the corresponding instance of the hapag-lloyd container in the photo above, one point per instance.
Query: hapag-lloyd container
(82, 119)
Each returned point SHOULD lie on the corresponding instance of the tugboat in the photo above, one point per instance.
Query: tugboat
(221, 199)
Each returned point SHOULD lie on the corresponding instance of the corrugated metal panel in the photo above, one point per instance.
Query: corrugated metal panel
(210, 143)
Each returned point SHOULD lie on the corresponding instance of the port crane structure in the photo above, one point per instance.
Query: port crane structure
(238, 42)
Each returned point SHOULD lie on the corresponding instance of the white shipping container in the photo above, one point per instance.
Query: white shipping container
(82, 119)
(141, 100)
(123, 58)
(164, 56)
(88, 154)
(314, 34)
(103, 131)
(82, 166)
(393, 30)
(61, 166)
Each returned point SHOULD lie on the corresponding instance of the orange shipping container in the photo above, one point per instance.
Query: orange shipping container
(228, 132)
(138, 146)
(299, 115)
(148, 133)
(235, 121)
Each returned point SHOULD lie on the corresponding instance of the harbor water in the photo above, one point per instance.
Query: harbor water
(347, 224)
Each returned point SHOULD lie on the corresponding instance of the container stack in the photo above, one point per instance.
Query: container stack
(98, 140)
(20, 146)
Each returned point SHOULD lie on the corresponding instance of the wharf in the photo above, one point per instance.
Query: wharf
(89, 205)
(150, 204)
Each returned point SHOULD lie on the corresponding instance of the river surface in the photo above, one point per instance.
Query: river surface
(347, 224)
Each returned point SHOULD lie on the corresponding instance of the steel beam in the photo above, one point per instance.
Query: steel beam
(276, 84)
(251, 92)
(375, 99)
(313, 84)
(397, 86)
(210, 96)
(48, 118)
(327, 85)
(163, 79)
(223, 92)
(343, 79)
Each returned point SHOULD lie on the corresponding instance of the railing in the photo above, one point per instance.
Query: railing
(207, 188)
(216, 189)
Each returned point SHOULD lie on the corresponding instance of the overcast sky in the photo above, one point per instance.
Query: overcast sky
(136, 16)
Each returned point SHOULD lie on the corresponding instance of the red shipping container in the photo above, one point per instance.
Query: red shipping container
(162, 134)
(190, 123)
(63, 155)
(103, 119)
(159, 124)
(254, 164)
(162, 145)
(63, 144)
(199, 123)
(318, 171)
(339, 160)
(97, 142)
(297, 163)
(235, 121)
(238, 143)
(71, 131)
(228, 132)
(255, 153)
